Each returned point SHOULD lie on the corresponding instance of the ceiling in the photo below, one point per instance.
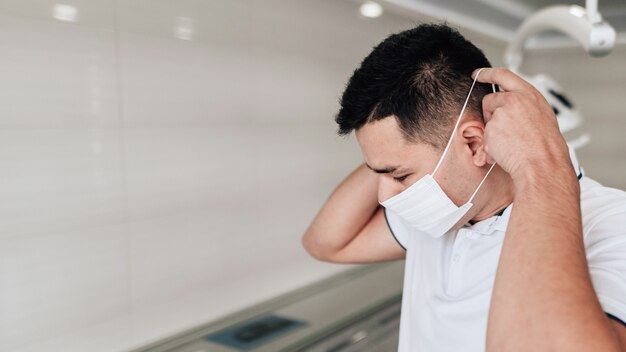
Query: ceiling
(499, 19)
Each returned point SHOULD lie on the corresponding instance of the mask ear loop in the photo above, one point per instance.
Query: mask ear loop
(481, 183)
(458, 120)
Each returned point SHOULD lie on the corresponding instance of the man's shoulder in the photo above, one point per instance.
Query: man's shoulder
(601, 203)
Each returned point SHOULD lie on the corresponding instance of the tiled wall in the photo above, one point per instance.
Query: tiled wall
(160, 160)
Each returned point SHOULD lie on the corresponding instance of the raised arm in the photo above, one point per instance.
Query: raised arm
(351, 226)
(543, 298)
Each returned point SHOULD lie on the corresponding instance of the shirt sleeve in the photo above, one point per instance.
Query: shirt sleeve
(605, 245)
(398, 228)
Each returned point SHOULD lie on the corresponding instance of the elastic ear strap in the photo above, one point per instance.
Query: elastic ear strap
(456, 126)
(481, 183)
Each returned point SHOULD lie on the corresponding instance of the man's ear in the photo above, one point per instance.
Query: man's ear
(472, 133)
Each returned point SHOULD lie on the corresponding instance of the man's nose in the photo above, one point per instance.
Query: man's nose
(387, 187)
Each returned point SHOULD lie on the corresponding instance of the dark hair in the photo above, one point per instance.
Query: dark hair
(422, 77)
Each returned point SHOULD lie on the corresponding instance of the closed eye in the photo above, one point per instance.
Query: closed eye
(400, 178)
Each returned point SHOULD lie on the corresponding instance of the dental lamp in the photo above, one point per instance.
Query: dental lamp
(586, 26)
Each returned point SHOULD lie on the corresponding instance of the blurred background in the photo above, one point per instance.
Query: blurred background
(160, 160)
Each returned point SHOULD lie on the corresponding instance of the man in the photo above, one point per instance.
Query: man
(508, 246)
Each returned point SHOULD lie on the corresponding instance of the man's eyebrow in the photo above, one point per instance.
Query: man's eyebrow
(387, 170)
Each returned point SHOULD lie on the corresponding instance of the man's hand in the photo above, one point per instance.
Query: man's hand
(521, 133)
(543, 298)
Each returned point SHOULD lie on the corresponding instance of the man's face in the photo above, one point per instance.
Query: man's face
(385, 148)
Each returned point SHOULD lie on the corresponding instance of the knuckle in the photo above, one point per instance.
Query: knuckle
(497, 114)
(505, 72)
(511, 99)
(487, 100)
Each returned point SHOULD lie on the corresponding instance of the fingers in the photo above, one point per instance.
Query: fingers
(493, 101)
(503, 77)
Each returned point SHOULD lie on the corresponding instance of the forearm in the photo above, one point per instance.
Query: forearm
(543, 298)
(345, 213)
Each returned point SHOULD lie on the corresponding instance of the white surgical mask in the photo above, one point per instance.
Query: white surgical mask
(424, 205)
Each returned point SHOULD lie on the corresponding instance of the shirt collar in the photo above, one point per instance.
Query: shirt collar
(499, 222)
(492, 224)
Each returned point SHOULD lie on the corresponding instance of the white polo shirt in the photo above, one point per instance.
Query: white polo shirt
(448, 280)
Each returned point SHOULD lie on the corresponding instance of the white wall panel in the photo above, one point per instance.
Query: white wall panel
(151, 183)
(63, 240)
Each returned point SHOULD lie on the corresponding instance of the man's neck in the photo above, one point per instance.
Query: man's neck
(499, 194)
